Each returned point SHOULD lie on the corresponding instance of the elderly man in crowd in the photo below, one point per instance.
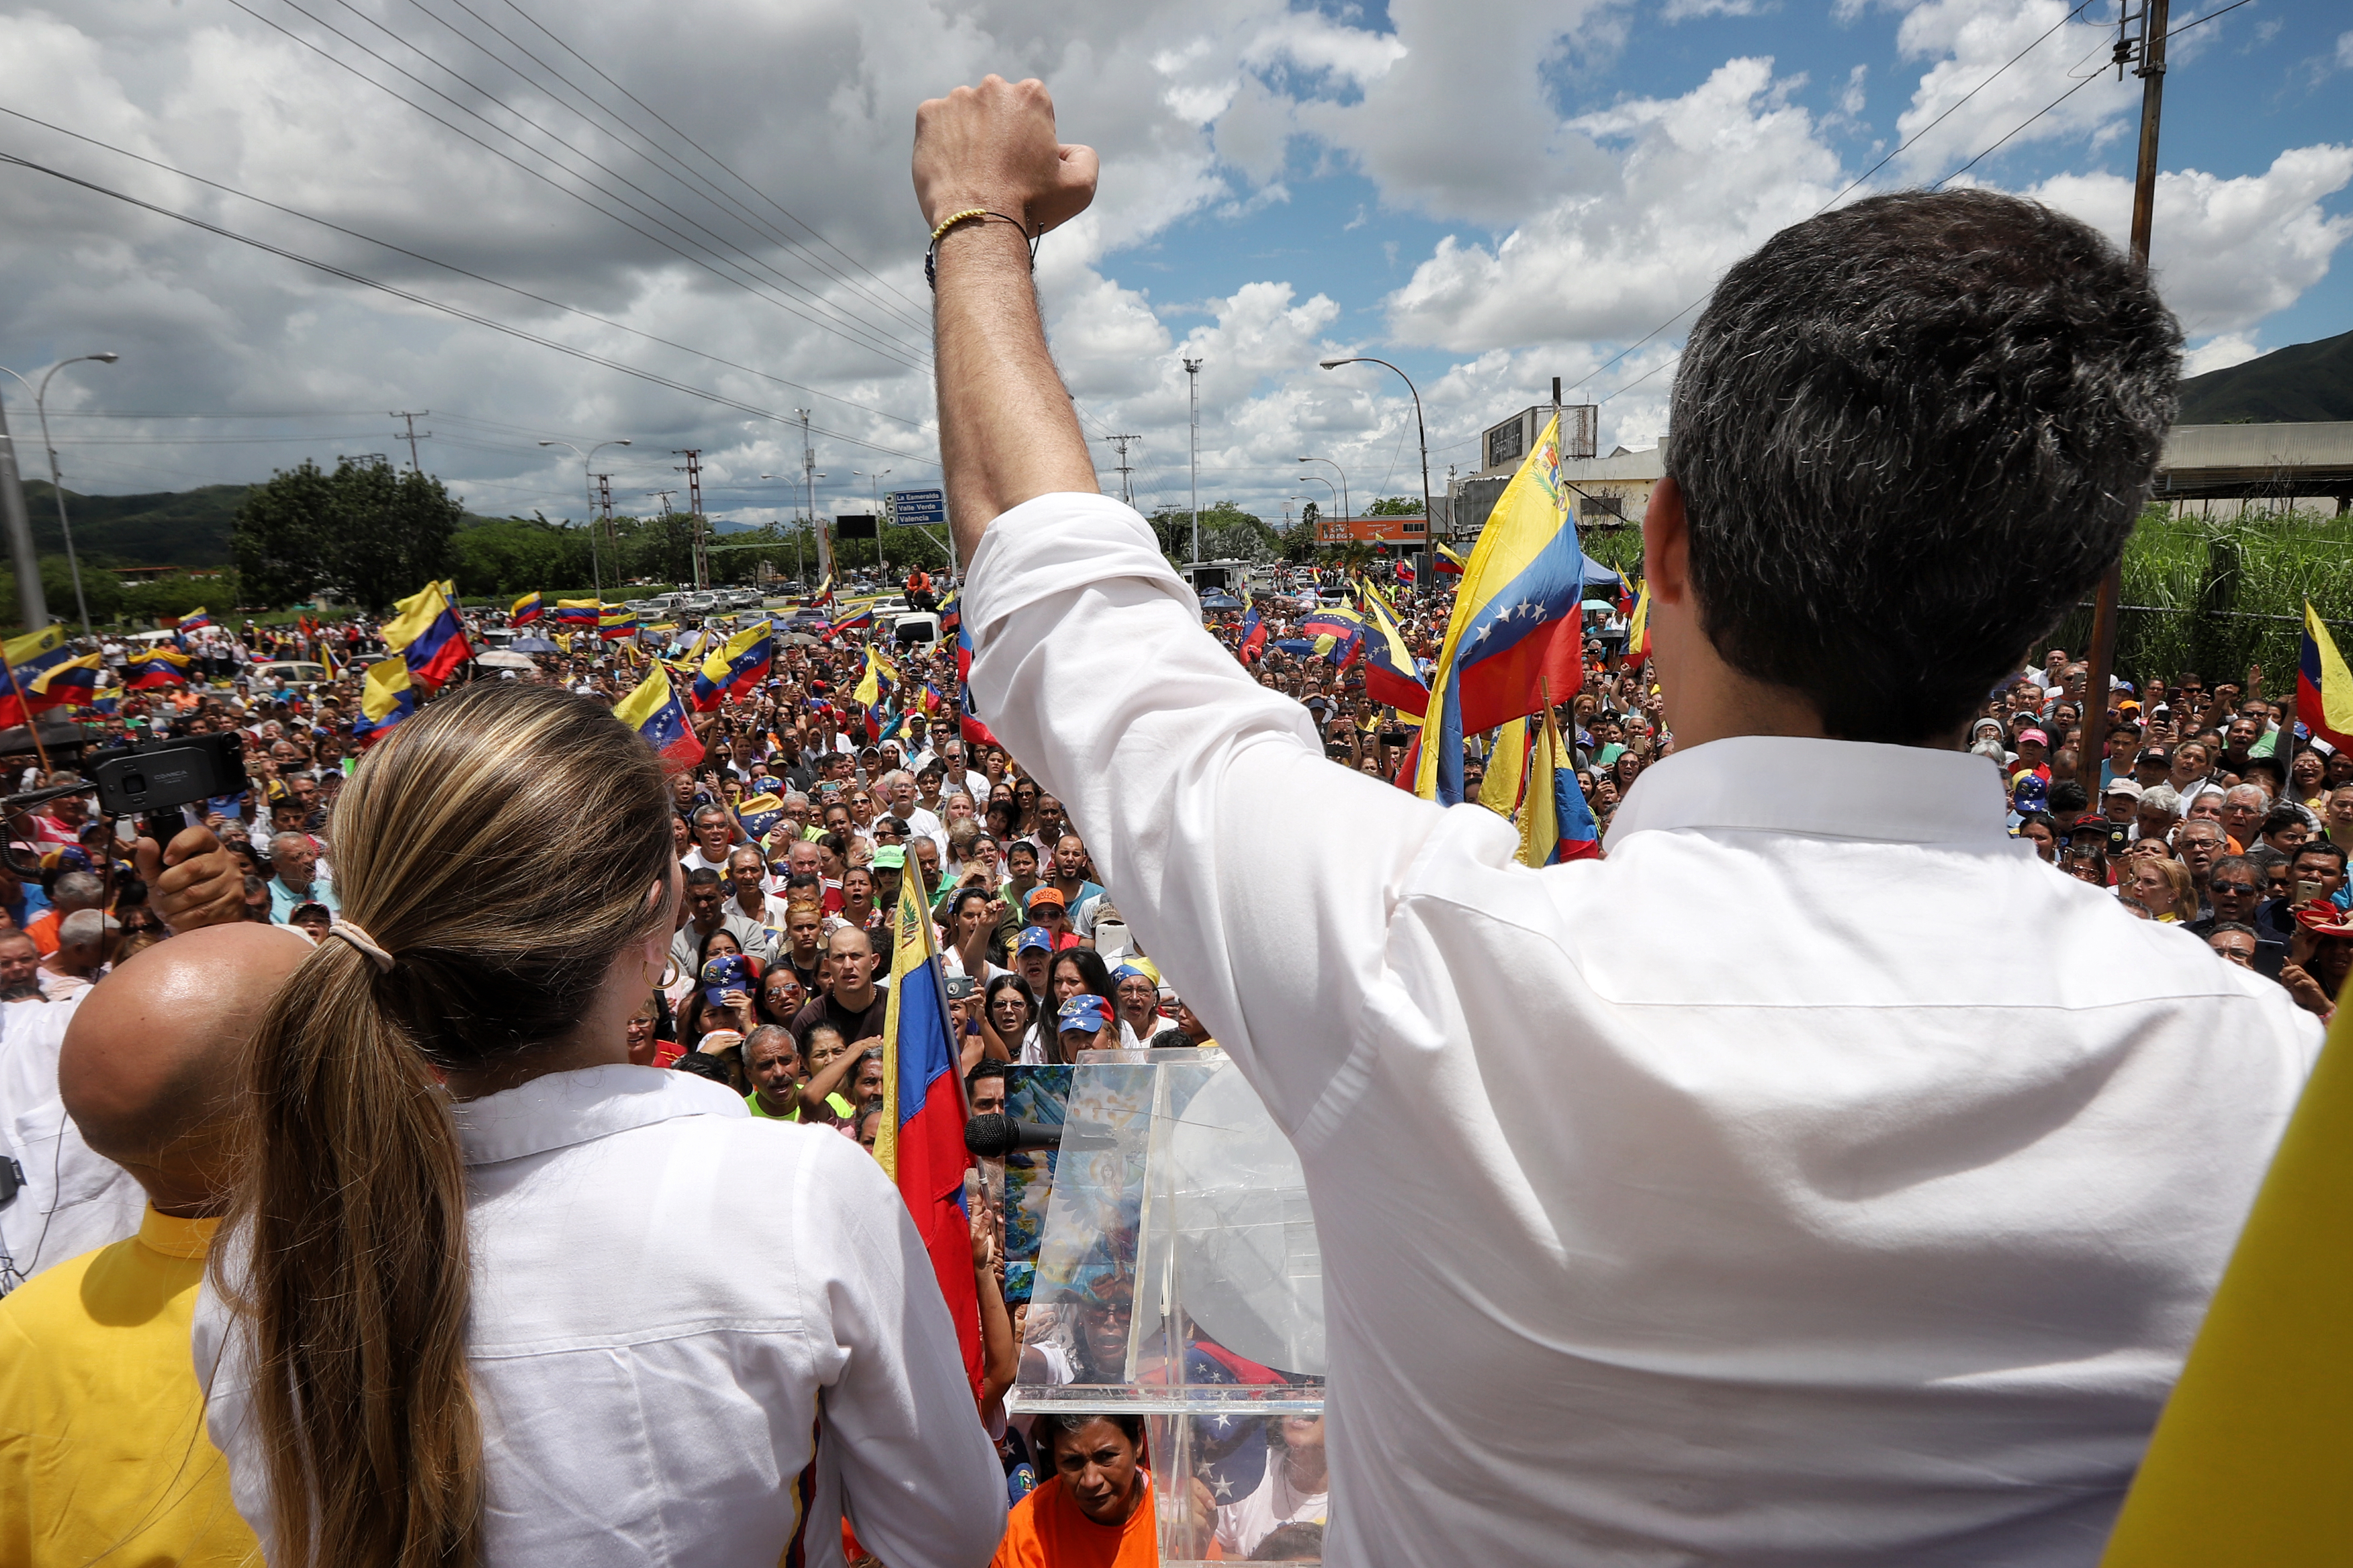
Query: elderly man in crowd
(297, 877)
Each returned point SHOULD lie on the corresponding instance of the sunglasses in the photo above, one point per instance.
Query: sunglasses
(2235, 888)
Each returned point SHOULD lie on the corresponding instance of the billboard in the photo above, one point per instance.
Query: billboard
(1410, 532)
(855, 525)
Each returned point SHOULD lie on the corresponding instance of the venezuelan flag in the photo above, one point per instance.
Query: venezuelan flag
(70, 684)
(653, 711)
(2323, 688)
(1345, 628)
(1253, 637)
(427, 632)
(194, 620)
(1638, 627)
(1516, 629)
(858, 620)
(920, 1144)
(526, 610)
(1404, 570)
(1556, 825)
(1389, 674)
(158, 666)
(578, 612)
(26, 656)
(968, 724)
(951, 615)
(617, 622)
(1445, 562)
(881, 677)
(386, 697)
(735, 667)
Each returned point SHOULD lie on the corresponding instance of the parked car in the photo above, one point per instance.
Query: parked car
(288, 672)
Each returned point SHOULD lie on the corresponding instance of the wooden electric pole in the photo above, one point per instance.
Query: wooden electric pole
(2148, 51)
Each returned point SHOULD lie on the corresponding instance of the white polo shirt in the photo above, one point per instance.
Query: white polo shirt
(1819, 1179)
(655, 1367)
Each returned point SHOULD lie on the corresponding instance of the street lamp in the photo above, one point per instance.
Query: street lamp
(1426, 520)
(587, 460)
(1343, 480)
(57, 483)
(797, 575)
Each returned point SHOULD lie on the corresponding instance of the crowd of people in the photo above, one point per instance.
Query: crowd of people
(425, 1097)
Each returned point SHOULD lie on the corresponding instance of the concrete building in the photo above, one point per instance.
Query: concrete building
(2208, 471)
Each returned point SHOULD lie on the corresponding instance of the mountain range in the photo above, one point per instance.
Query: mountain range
(2287, 386)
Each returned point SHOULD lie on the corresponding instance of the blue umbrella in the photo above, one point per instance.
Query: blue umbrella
(533, 644)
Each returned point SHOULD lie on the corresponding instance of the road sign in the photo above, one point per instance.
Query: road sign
(919, 509)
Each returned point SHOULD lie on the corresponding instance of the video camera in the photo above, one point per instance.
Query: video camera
(158, 781)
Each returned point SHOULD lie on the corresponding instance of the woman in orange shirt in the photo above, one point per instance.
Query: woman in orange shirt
(1094, 1508)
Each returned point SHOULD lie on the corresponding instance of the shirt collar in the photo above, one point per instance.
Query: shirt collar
(176, 1238)
(1836, 789)
(558, 1110)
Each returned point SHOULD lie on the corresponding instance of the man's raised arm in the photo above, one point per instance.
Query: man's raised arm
(1006, 429)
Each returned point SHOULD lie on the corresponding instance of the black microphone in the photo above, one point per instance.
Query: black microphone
(994, 1137)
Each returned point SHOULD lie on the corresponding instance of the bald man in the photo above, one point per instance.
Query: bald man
(102, 1452)
(72, 1199)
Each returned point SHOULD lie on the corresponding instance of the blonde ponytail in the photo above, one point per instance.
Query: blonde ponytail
(498, 847)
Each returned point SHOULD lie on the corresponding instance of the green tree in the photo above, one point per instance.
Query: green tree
(368, 532)
(392, 532)
(280, 533)
(1394, 506)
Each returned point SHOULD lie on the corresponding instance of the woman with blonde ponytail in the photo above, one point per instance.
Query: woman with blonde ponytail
(491, 1295)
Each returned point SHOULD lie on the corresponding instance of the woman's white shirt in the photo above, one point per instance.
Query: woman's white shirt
(669, 1375)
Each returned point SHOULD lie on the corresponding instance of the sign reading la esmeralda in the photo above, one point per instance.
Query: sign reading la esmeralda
(919, 509)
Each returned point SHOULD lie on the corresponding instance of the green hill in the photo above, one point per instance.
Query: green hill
(2291, 385)
(171, 528)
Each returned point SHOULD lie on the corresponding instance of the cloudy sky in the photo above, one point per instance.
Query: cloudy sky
(682, 223)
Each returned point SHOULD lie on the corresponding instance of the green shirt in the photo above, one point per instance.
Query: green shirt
(753, 1100)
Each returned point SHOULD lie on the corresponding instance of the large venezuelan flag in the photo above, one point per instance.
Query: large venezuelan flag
(735, 667)
(526, 610)
(653, 711)
(920, 1141)
(578, 613)
(2323, 688)
(425, 631)
(386, 698)
(1515, 632)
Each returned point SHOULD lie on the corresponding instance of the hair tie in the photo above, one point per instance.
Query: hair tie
(360, 939)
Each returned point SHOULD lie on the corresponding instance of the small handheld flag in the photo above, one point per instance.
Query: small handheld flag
(156, 666)
(69, 684)
(427, 632)
(2323, 688)
(526, 610)
(653, 711)
(386, 698)
(735, 667)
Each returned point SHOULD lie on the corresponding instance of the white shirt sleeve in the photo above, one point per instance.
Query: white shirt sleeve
(1259, 875)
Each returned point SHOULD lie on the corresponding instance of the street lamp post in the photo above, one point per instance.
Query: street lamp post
(587, 460)
(875, 493)
(1426, 520)
(32, 605)
(797, 574)
(1193, 393)
(1343, 481)
(58, 487)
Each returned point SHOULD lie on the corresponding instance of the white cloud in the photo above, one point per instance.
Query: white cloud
(2345, 50)
(1971, 44)
(1705, 179)
(2220, 353)
(2227, 252)
(1686, 10)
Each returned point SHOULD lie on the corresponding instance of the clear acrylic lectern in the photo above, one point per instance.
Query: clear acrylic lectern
(1178, 1278)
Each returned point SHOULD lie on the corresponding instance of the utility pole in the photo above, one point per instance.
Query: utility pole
(1127, 489)
(809, 478)
(1193, 386)
(694, 471)
(410, 419)
(32, 605)
(603, 522)
(2146, 54)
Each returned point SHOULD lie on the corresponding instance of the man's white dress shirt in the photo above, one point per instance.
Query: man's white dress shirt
(1820, 1180)
(74, 1199)
(657, 1364)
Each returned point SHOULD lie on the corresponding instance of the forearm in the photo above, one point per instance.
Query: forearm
(1008, 431)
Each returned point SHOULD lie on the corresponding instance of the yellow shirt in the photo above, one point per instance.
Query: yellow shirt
(103, 1456)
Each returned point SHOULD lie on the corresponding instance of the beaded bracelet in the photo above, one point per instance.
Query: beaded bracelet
(972, 215)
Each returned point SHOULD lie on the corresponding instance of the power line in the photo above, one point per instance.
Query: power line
(784, 305)
(431, 304)
(915, 318)
(445, 267)
(888, 334)
(716, 160)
